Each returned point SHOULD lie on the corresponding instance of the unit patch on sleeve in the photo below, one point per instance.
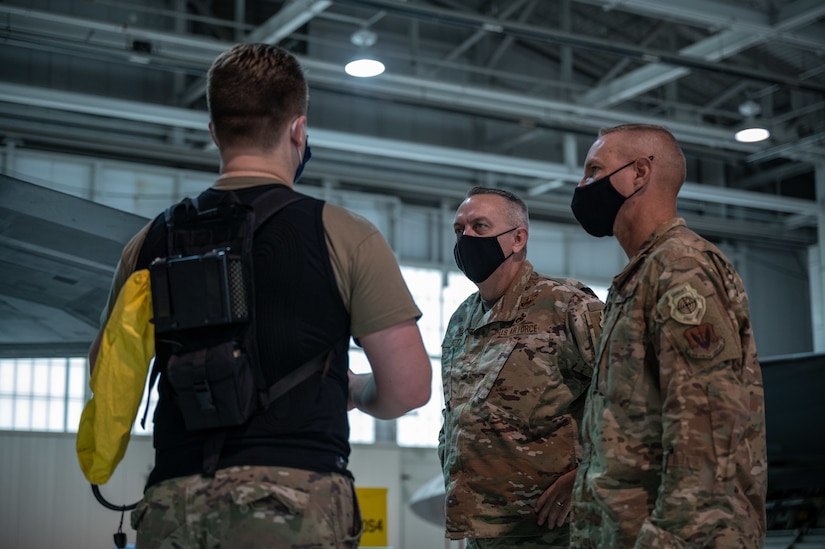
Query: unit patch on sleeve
(703, 343)
(686, 305)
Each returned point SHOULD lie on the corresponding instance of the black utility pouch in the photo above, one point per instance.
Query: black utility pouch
(215, 386)
(199, 291)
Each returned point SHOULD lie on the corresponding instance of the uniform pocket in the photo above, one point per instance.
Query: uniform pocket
(727, 417)
(156, 519)
(653, 537)
(262, 496)
(136, 518)
(352, 537)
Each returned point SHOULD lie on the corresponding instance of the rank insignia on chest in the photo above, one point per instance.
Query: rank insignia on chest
(527, 301)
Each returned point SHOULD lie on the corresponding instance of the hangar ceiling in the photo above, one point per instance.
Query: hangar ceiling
(495, 92)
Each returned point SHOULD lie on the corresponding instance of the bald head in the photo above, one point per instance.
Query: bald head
(638, 140)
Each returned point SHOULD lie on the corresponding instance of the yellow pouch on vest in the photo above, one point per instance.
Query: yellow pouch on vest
(118, 380)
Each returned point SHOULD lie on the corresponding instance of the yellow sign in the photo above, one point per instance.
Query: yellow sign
(373, 502)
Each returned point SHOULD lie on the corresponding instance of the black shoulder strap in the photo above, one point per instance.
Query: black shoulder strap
(318, 364)
(264, 206)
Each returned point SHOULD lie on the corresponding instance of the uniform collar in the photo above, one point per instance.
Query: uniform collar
(651, 243)
(506, 307)
(243, 182)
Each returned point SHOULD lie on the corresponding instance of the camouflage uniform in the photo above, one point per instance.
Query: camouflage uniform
(674, 428)
(514, 378)
(275, 507)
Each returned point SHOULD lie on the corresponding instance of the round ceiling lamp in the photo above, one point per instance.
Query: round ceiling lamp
(753, 134)
(364, 66)
(751, 131)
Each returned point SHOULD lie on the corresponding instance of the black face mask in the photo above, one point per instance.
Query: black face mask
(304, 160)
(597, 204)
(479, 256)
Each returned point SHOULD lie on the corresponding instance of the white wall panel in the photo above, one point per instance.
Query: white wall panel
(47, 502)
(415, 242)
(142, 192)
(65, 174)
(780, 300)
(380, 211)
(596, 260)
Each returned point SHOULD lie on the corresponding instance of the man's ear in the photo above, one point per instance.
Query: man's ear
(212, 133)
(298, 131)
(643, 168)
(520, 239)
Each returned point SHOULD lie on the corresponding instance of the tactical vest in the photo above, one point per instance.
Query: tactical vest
(297, 313)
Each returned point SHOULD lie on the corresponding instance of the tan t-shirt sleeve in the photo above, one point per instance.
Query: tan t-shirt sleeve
(125, 268)
(367, 273)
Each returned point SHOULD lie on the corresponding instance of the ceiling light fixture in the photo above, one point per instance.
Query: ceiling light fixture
(751, 131)
(364, 66)
(752, 135)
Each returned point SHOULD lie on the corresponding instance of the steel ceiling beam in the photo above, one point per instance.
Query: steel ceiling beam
(411, 88)
(713, 49)
(288, 19)
(471, 40)
(472, 21)
(715, 15)
(514, 106)
(381, 147)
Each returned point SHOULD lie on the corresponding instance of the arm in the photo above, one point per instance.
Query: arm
(123, 270)
(401, 372)
(584, 326)
(702, 328)
(117, 283)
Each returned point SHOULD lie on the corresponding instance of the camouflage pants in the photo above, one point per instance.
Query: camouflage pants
(256, 507)
(558, 538)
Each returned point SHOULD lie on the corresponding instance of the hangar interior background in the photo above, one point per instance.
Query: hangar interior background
(103, 123)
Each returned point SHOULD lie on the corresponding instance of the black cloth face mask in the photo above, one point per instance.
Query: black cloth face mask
(304, 160)
(597, 204)
(479, 256)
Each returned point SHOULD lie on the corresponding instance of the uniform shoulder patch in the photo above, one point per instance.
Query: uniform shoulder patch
(686, 304)
(703, 343)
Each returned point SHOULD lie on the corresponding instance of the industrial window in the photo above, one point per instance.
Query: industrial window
(42, 394)
(437, 295)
